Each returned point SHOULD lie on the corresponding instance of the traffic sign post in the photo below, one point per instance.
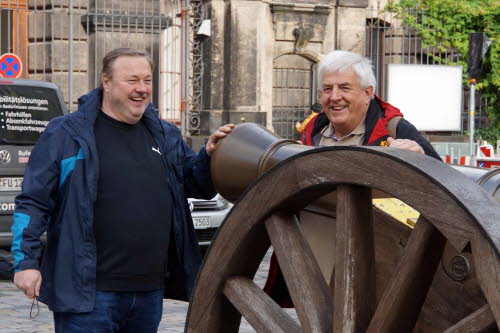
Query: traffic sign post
(10, 66)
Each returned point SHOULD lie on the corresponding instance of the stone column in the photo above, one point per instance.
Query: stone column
(238, 68)
(351, 25)
(214, 69)
(49, 50)
(250, 47)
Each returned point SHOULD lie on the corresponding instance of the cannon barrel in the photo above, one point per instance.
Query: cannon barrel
(488, 179)
(251, 149)
(245, 154)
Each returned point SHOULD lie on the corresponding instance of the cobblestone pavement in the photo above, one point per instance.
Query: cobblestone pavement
(15, 310)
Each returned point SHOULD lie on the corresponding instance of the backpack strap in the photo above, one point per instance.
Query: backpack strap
(392, 125)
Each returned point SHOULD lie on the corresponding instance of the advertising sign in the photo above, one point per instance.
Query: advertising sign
(25, 111)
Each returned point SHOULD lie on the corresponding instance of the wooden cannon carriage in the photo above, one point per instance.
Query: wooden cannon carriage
(442, 276)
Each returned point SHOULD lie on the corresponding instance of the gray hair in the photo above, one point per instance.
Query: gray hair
(111, 56)
(344, 61)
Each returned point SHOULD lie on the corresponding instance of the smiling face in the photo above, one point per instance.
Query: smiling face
(127, 92)
(344, 101)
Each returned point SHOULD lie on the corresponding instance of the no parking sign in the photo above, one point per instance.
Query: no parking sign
(10, 66)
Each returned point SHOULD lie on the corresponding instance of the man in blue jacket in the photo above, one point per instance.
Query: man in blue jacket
(109, 184)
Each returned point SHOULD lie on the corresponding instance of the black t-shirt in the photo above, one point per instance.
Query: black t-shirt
(133, 210)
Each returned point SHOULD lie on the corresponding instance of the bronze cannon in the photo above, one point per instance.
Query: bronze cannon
(441, 276)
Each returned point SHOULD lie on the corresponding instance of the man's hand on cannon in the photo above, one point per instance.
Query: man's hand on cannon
(216, 136)
(405, 144)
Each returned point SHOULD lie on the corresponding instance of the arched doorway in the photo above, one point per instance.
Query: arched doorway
(294, 91)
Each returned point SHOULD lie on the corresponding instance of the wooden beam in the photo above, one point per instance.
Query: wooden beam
(354, 289)
(257, 307)
(479, 321)
(400, 306)
(487, 265)
(307, 286)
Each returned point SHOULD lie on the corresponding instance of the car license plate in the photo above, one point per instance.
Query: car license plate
(201, 222)
(11, 183)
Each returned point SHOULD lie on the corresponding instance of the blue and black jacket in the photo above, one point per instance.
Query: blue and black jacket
(59, 191)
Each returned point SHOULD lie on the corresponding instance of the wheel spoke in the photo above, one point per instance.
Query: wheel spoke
(257, 307)
(479, 321)
(332, 281)
(354, 288)
(307, 286)
(402, 300)
(487, 265)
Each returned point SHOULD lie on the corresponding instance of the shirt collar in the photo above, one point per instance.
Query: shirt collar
(329, 131)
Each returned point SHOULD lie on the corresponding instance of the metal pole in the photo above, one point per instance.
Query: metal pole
(70, 60)
(472, 106)
(184, 68)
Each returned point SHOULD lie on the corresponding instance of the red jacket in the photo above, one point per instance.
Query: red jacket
(379, 113)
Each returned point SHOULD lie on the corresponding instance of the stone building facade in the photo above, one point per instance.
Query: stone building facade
(259, 62)
(256, 64)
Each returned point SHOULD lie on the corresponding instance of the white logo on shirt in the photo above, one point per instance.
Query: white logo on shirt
(156, 150)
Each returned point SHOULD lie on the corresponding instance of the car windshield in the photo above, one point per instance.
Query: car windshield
(25, 112)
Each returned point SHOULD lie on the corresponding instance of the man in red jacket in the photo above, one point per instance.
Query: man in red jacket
(352, 116)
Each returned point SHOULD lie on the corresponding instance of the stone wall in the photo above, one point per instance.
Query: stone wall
(49, 46)
(56, 56)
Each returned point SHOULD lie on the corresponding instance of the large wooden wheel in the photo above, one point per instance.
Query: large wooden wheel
(387, 278)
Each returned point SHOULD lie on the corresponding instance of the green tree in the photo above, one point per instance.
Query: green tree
(445, 25)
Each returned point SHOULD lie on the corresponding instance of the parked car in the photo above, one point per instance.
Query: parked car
(208, 216)
(26, 106)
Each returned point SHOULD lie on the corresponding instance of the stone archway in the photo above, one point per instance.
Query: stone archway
(294, 91)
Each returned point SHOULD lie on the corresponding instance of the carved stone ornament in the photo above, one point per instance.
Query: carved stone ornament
(302, 36)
